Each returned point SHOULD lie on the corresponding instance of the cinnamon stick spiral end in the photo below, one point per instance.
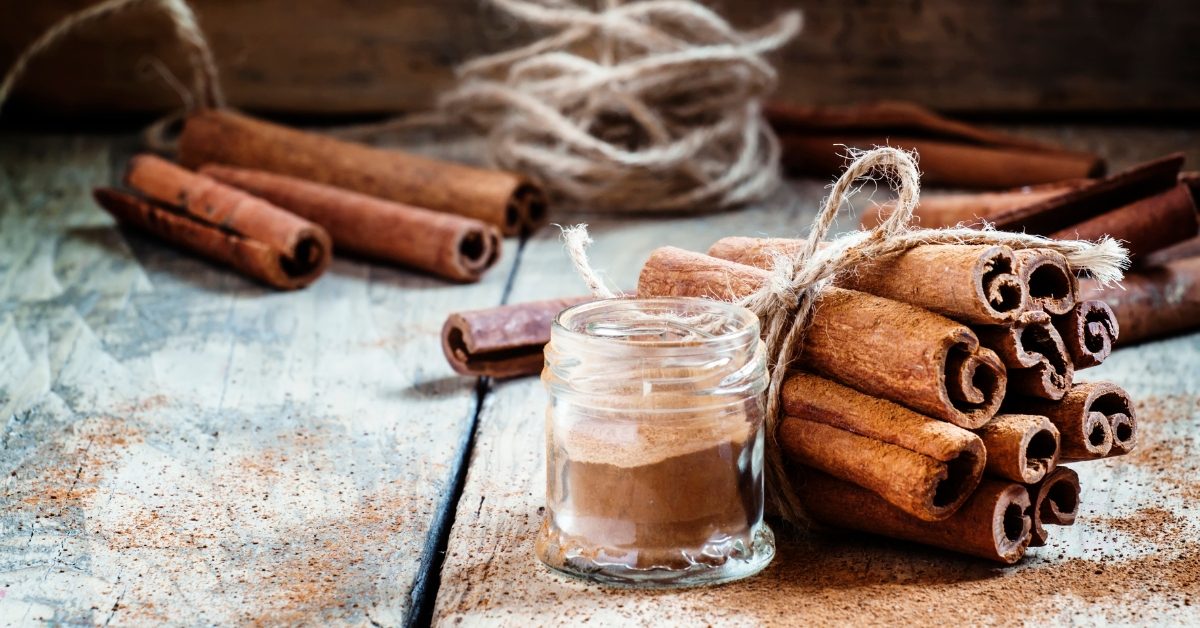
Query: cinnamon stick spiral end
(1055, 502)
(1020, 447)
(1089, 332)
(1050, 285)
(975, 383)
(526, 210)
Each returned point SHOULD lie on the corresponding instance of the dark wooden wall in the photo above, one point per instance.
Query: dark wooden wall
(369, 56)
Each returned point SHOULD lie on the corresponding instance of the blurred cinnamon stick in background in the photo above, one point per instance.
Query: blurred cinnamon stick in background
(503, 199)
(446, 245)
(1152, 302)
(815, 140)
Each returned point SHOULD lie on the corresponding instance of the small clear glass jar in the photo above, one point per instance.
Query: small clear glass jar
(654, 443)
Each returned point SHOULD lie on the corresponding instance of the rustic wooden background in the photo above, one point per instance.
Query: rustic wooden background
(373, 56)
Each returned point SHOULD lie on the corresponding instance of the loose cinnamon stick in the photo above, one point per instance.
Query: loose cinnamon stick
(925, 467)
(973, 284)
(1153, 302)
(1182, 250)
(1034, 354)
(881, 347)
(454, 247)
(1145, 225)
(993, 523)
(1050, 285)
(1020, 447)
(499, 198)
(1089, 332)
(1055, 502)
(1085, 418)
(504, 341)
(948, 210)
(253, 258)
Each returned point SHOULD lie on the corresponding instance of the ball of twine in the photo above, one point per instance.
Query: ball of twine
(645, 106)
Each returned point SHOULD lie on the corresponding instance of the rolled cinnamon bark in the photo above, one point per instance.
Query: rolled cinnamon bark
(1085, 419)
(881, 347)
(1153, 302)
(1020, 447)
(1124, 429)
(503, 199)
(972, 284)
(1034, 354)
(948, 210)
(1089, 332)
(253, 258)
(303, 246)
(1055, 502)
(925, 467)
(504, 341)
(1050, 285)
(1182, 250)
(993, 523)
(1145, 225)
(454, 247)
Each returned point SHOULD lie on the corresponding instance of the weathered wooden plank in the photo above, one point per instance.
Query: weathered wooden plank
(180, 445)
(1134, 556)
(350, 56)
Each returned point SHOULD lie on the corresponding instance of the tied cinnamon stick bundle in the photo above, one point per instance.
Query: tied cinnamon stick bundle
(504, 341)
(1034, 354)
(1094, 420)
(1089, 332)
(253, 258)
(446, 245)
(1155, 302)
(973, 284)
(303, 248)
(1020, 447)
(993, 523)
(881, 347)
(1055, 502)
(926, 468)
(503, 199)
(952, 153)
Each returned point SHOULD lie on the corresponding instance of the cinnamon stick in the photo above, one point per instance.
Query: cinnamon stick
(925, 467)
(973, 284)
(1089, 332)
(1055, 502)
(454, 247)
(1153, 302)
(993, 523)
(504, 341)
(253, 258)
(1050, 285)
(503, 199)
(881, 347)
(1145, 225)
(1088, 419)
(1034, 354)
(949, 210)
(1020, 447)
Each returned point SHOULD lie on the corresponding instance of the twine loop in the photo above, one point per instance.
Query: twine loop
(644, 106)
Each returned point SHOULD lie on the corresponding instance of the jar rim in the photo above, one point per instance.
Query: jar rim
(742, 324)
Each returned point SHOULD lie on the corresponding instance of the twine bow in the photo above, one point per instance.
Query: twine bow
(785, 304)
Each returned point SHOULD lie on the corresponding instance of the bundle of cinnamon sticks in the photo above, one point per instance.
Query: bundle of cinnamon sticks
(935, 408)
(271, 202)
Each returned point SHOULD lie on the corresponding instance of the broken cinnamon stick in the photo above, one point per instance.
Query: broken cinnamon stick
(1034, 354)
(504, 341)
(503, 199)
(973, 284)
(254, 258)
(1050, 285)
(881, 347)
(1088, 419)
(1089, 332)
(1020, 447)
(925, 467)
(1055, 502)
(454, 247)
(1153, 302)
(993, 523)
(1145, 225)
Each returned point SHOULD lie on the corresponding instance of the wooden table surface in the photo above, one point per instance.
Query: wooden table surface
(180, 445)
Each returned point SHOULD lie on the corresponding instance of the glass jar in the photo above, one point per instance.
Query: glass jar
(654, 443)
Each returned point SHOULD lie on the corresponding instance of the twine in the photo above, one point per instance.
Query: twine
(662, 115)
(206, 88)
(785, 304)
